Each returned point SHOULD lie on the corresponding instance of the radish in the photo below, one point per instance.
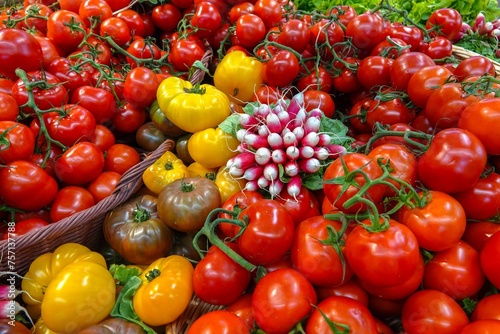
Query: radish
(316, 113)
(293, 186)
(310, 139)
(242, 160)
(311, 165)
(262, 111)
(275, 188)
(255, 141)
(262, 130)
(299, 132)
(271, 171)
(275, 141)
(300, 118)
(253, 173)
(278, 156)
(292, 152)
(236, 172)
(263, 156)
(324, 139)
(248, 121)
(321, 153)
(273, 123)
(312, 125)
(251, 186)
(306, 152)
(289, 139)
(291, 168)
(10, 308)
(263, 183)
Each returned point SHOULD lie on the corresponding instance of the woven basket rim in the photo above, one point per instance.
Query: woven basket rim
(462, 53)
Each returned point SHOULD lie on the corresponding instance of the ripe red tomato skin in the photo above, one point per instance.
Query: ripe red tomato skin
(405, 66)
(206, 19)
(302, 207)
(221, 322)
(238, 200)
(25, 52)
(100, 102)
(395, 254)
(374, 71)
(487, 308)
(27, 225)
(481, 201)
(482, 327)
(104, 185)
(445, 22)
(453, 162)
(489, 259)
(242, 307)
(442, 215)
(455, 271)
(103, 137)
(69, 200)
(269, 233)
(120, 158)
(477, 233)
(281, 69)
(366, 30)
(128, 118)
(350, 289)
(80, 164)
(250, 30)
(319, 263)
(217, 279)
(431, 311)
(184, 53)
(18, 142)
(283, 294)
(424, 81)
(294, 34)
(318, 99)
(59, 31)
(342, 310)
(140, 87)
(25, 186)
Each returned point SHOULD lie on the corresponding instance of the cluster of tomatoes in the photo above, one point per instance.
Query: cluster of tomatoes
(404, 224)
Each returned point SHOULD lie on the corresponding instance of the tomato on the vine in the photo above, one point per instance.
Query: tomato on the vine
(281, 69)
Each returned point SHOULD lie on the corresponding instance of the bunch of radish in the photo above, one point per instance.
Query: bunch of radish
(280, 144)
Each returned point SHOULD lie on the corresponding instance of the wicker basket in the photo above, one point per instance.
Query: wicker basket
(84, 227)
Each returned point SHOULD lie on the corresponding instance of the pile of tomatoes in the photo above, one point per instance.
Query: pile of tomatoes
(395, 233)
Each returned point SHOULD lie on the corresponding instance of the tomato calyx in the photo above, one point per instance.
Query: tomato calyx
(141, 214)
(152, 274)
(208, 230)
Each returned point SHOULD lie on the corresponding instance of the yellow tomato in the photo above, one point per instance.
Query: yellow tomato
(165, 292)
(238, 76)
(227, 184)
(163, 171)
(198, 170)
(212, 148)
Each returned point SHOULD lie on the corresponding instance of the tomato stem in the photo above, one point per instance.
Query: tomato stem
(152, 274)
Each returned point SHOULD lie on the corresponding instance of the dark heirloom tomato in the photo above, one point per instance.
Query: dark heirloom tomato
(268, 234)
(70, 200)
(431, 311)
(454, 161)
(184, 204)
(394, 254)
(319, 258)
(218, 279)
(281, 299)
(25, 186)
(438, 225)
(343, 311)
(19, 50)
(149, 137)
(134, 231)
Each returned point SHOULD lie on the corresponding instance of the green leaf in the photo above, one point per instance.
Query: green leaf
(122, 273)
(231, 124)
(250, 107)
(124, 308)
(313, 181)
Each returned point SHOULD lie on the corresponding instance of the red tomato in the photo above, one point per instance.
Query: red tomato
(474, 66)
(438, 225)
(133, 20)
(128, 118)
(206, 19)
(431, 311)
(45, 158)
(281, 69)
(9, 109)
(24, 52)
(103, 185)
(49, 50)
(374, 72)
(453, 162)
(390, 48)
(344, 13)
(270, 11)
(27, 225)
(387, 111)
(319, 79)
(284, 294)
(97, 10)
(317, 255)
(219, 322)
(25, 186)
(250, 30)
(143, 51)
(349, 163)
(350, 289)
(69, 200)
(302, 206)
(242, 307)
(74, 125)
(394, 254)
(61, 67)
(489, 259)
(437, 48)
(455, 271)
(424, 81)
(446, 104)
(409, 34)
(481, 201)
(267, 94)
(487, 308)
(80, 164)
(402, 164)
(480, 118)
(405, 66)
(184, 53)
(219, 280)
(477, 233)
(482, 327)
(294, 34)
(324, 35)
(166, 17)
(140, 87)
(100, 102)
(117, 29)
(120, 158)
(17, 141)
(366, 30)
(60, 31)
(237, 202)
(103, 137)
(237, 10)
(346, 80)
(342, 311)
(268, 234)
(400, 291)
(316, 99)
(445, 22)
